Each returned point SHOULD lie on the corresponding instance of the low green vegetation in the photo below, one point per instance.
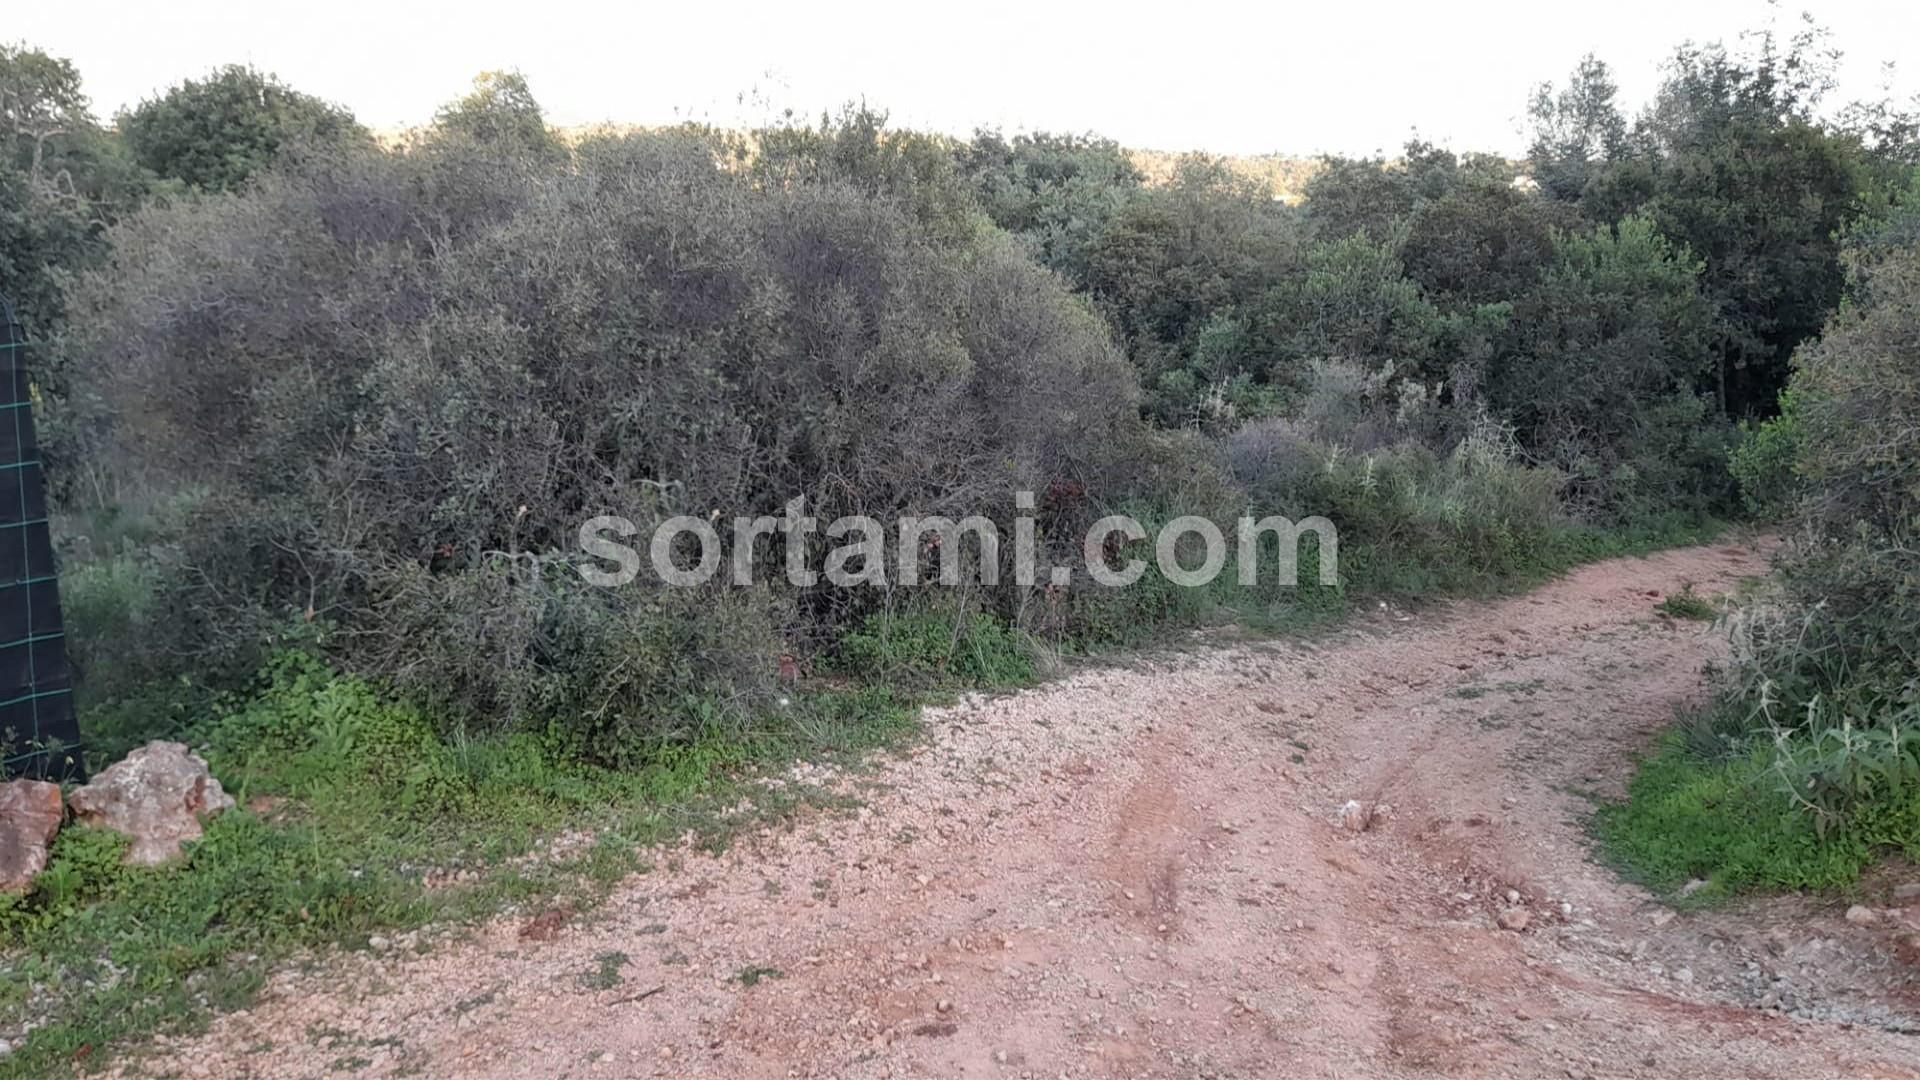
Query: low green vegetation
(929, 648)
(752, 975)
(1696, 829)
(606, 973)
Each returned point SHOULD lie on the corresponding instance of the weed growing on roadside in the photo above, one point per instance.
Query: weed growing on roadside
(1687, 604)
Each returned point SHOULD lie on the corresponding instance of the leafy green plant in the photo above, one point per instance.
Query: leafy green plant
(1833, 770)
(83, 866)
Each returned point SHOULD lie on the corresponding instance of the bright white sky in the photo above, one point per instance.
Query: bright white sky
(1345, 76)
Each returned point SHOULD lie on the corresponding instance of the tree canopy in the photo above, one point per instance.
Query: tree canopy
(213, 133)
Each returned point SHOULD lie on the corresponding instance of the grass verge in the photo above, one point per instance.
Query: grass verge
(1729, 823)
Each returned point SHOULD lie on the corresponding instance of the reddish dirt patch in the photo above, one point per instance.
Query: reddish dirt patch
(545, 926)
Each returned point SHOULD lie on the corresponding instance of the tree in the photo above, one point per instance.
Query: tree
(1351, 301)
(1176, 268)
(1890, 131)
(1733, 163)
(1576, 132)
(214, 133)
(61, 178)
(501, 113)
(1709, 89)
(1482, 243)
(40, 101)
(48, 133)
(856, 147)
(1764, 205)
(41, 234)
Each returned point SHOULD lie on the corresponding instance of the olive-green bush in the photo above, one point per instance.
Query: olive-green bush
(389, 387)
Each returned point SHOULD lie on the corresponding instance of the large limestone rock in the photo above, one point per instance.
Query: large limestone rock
(30, 814)
(157, 796)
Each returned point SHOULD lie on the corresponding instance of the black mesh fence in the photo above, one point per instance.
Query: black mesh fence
(38, 733)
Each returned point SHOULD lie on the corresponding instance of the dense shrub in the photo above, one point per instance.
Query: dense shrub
(1376, 196)
(935, 647)
(1483, 243)
(1175, 260)
(607, 674)
(1763, 462)
(1845, 654)
(1353, 302)
(398, 383)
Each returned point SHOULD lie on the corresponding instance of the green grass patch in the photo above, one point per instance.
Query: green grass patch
(606, 972)
(1522, 562)
(1730, 823)
(936, 648)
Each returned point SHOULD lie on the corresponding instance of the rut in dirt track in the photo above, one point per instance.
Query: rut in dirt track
(1141, 872)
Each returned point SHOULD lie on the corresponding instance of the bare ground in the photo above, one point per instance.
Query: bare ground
(1142, 872)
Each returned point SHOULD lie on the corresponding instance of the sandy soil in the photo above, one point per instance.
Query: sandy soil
(1143, 872)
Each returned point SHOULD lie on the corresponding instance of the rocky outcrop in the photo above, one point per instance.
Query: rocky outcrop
(30, 814)
(157, 796)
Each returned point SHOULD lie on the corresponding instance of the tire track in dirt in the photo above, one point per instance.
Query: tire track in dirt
(1140, 872)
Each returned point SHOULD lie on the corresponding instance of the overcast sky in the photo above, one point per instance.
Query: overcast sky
(1345, 76)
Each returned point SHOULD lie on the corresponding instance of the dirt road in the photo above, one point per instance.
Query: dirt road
(1142, 872)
